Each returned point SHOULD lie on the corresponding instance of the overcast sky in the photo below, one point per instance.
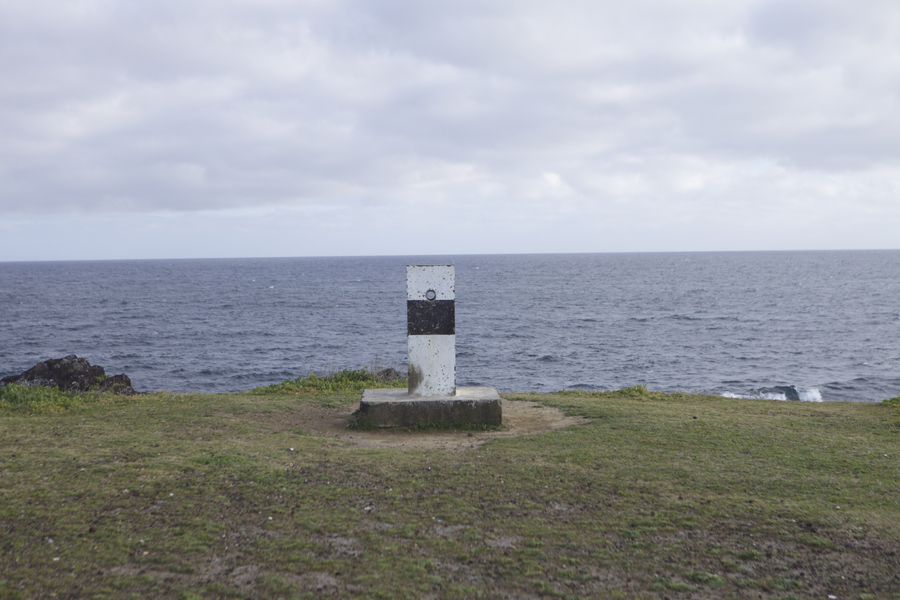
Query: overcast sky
(224, 128)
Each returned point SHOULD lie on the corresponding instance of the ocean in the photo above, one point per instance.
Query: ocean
(815, 326)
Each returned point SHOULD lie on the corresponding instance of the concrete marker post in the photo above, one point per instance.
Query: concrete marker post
(431, 396)
(431, 329)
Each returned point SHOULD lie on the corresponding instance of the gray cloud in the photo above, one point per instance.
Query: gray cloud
(695, 111)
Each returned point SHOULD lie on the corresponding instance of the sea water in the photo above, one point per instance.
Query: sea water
(809, 326)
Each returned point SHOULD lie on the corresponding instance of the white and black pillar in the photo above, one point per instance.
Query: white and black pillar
(431, 329)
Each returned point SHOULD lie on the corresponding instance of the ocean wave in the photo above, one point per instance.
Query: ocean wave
(809, 395)
(780, 392)
(608, 331)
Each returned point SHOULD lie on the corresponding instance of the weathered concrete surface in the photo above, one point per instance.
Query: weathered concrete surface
(396, 408)
(432, 365)
(431, 329)
(440, 279)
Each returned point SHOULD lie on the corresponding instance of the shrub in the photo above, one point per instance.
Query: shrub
(347, 380)
(38, 399)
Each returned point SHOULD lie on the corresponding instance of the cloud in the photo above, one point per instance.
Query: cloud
(690, 109)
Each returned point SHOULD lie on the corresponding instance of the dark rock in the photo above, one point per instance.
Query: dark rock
(68, 374)
(389, 374)
(789, 391)
(71, 374)
(118, 384)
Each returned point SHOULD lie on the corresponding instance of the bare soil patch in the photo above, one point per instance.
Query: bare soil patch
(519, 418)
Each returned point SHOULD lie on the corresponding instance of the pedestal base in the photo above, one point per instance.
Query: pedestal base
(396, 408)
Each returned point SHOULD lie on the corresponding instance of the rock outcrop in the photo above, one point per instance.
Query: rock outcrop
(789, 391)
(117, 384)
(387, 375)
(71, 374)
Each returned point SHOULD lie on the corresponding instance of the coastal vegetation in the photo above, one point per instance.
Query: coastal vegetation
(37, 399)
(346, 380)
(266, 494)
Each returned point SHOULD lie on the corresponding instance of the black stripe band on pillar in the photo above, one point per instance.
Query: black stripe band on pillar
(431, 317)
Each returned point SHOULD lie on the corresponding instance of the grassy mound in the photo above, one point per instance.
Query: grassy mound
(347, 380)
(657, 495)
(16, 398)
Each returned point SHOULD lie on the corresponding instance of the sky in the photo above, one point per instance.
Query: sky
(231, 128)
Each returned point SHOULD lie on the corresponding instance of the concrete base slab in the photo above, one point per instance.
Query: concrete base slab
(396, 408)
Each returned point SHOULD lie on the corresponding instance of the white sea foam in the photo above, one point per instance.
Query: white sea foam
(756, 396)
(809, 394)
(805, 395)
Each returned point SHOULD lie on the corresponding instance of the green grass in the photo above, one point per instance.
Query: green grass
(892, 401)
(347, 380)
(658, 495)
(23, 399)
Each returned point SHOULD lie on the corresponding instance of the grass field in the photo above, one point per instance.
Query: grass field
(656, 496)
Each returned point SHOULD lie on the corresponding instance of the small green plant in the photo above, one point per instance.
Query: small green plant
(98, 380)
(812, 540)
(733, 567)
(346, 380)
(895, 401)
(783, 583)
(704, 577)
(37, 399)
(749, 555)
(635, 391)
(663, 583)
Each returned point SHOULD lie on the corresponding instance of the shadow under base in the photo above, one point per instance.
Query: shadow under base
(396, 408)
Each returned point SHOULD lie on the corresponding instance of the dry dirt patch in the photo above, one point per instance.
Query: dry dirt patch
(519, 418)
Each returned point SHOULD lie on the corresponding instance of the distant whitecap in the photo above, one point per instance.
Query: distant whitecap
(809, 394)
(781, 393)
